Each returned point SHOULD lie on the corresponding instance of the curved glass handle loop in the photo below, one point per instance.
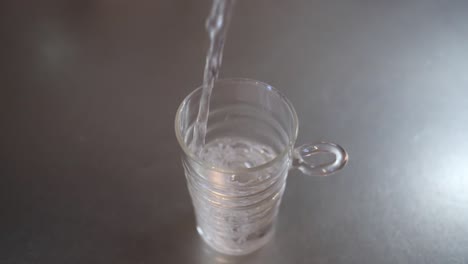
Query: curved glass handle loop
(309, 158)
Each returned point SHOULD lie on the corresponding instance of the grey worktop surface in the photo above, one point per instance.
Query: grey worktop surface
(90, 169)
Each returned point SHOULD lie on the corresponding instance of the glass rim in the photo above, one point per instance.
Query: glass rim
(189, 153)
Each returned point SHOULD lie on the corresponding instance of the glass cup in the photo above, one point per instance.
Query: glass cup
(237, 180)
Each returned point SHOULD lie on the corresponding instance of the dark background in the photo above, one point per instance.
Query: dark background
(90, 169)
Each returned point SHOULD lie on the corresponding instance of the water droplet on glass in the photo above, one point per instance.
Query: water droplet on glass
(200, 231)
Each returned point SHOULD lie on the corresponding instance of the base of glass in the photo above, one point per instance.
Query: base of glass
(240, 251)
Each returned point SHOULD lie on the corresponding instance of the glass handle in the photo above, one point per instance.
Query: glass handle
(320, 159)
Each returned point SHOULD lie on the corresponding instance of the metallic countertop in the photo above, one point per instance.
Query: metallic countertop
(90, 168)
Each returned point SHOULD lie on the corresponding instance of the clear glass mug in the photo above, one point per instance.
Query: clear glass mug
(237, 181)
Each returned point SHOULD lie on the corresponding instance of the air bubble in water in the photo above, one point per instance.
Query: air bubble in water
(248, 164)
(233, 177)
